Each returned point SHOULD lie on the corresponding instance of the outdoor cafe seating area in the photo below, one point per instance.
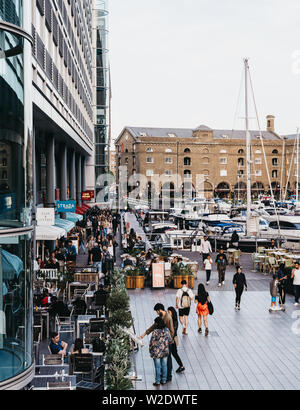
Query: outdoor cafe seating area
(86, 320)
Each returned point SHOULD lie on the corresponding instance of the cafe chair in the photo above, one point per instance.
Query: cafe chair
(37, 322)
(96, 325)
(82, 364)
(53, 360)
(65, 324)
(58, 385)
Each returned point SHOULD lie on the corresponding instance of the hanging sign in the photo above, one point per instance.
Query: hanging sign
(158, 275)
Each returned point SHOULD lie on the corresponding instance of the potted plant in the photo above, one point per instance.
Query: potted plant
(177, 276)
(139, 279)
(182, 272)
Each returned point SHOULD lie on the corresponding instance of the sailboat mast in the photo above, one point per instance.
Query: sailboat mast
(297, 181)
(248, 149)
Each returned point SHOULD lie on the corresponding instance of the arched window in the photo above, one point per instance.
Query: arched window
(149, 149)
(258, 151)
(205, 172)
(241, 162)
(205, 151)
(126, 150)
(187, 161)
(187, 150)
(168, 150)
(275, 152)
(241, 151)
(223, 151)
(274, 162)
(275, 173)
(205, 160)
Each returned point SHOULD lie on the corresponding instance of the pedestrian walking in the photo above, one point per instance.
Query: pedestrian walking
(239, 283)
(234, 241)
(202, 298)
(222, 262)
(282, 284)
(207, 266)
(184, 296)
(159, 350)
(172, 312)
(160, 310)
(296, 282)
(205, 248)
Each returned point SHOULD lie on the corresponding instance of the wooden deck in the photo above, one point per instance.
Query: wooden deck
(246, 349)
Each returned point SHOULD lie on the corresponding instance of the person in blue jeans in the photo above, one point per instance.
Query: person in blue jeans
(159, 350)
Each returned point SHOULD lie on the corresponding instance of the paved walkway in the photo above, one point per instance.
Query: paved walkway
(246, 349)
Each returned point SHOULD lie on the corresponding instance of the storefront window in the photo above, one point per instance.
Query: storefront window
(15, 305)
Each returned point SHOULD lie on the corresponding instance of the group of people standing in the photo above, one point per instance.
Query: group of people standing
(164, 339)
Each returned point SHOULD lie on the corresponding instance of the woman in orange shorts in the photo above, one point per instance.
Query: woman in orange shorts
(202, 309)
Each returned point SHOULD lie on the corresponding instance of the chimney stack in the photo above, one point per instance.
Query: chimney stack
(270, 123)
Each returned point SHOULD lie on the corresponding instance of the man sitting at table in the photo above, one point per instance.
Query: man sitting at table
(57, 346)
(273, 245)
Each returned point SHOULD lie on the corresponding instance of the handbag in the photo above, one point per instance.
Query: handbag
(210, 307)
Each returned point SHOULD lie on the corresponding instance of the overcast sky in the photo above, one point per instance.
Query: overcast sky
(178, 63)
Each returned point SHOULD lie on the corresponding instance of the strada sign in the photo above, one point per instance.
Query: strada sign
(65, 206)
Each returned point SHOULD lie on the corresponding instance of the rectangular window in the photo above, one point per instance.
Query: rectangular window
(258, 173)
(149, 160)
(258, 161)
(168, 172)
(223, 160)
(149, 173)
(223, 173)
(169, 160)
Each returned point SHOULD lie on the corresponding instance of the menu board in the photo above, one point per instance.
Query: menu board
(158, 275)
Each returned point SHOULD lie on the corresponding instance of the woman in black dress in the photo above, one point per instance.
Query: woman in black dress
(172, 312)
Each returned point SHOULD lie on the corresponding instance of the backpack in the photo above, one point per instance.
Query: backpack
(185, 300)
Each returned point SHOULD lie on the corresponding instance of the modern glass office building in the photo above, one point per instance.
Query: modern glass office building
(102, 96)
(16, 195)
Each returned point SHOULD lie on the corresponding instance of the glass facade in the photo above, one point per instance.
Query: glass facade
(16, 192)
(102, 96)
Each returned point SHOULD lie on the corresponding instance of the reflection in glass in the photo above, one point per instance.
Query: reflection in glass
(13, 195)
(11, 11)
(15, 309)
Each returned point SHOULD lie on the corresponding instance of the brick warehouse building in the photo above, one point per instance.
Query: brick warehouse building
(220, 155)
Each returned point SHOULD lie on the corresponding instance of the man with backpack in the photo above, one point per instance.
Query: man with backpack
(184, 296)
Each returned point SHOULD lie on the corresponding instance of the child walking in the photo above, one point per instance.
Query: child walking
(274, 290)
(207, 266)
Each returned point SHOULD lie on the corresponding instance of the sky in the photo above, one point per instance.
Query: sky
(179, 63)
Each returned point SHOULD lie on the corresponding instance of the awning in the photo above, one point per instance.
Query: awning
(65, 224)
(49, 233)
(71, 216)
(86, 207)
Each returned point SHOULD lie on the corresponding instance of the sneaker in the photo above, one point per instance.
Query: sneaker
(236, 307)
(163, 383)
(207, 283)
(169, 379)
(219, 285)
(223, 283)
(206, 331)
(199, 330)
(156, 384)
(180, 369)
(296, 304)
(239, 308)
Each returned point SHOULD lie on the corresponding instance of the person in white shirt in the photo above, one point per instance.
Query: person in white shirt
(205, 248)
(296, 282)
(184, 296)
(207, 266)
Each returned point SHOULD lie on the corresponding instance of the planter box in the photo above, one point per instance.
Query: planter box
(191, 282)
(177, 281)
(130, 282)
(139, 282)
